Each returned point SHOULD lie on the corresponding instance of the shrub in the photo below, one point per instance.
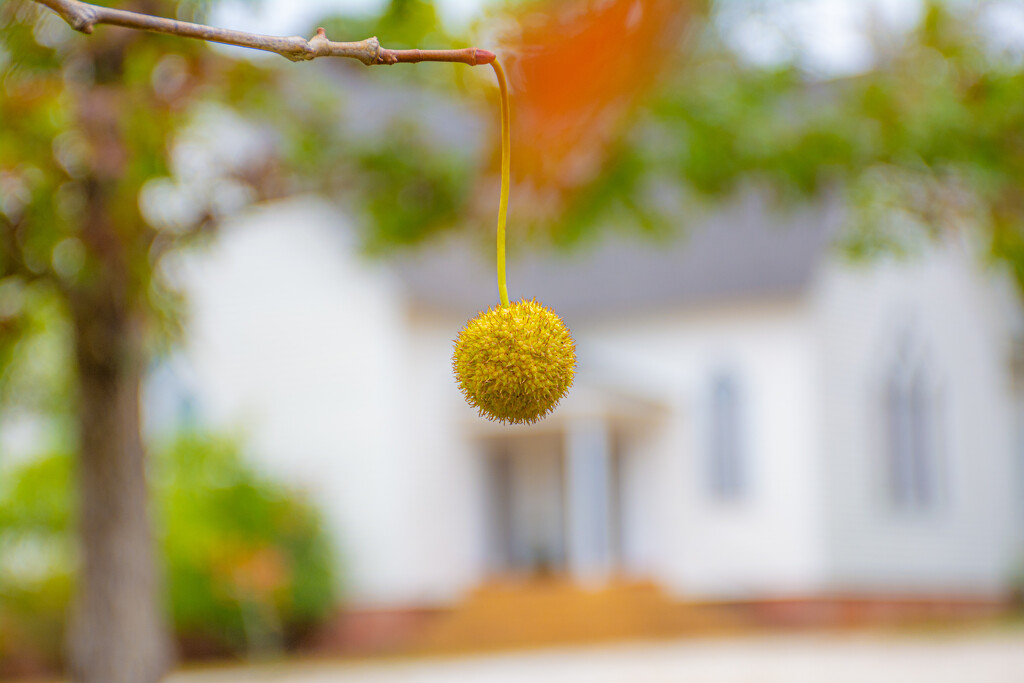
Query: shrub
(247, 564)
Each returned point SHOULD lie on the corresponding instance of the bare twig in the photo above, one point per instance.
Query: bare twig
(83, 16)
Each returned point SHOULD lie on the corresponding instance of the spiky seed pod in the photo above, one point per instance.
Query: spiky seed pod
(514, 363)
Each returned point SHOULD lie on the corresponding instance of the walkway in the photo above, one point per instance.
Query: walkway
(978, 657)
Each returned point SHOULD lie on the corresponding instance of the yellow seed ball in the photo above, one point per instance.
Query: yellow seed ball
(515, 363)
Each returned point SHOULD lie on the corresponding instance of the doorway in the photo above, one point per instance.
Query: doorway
(551, 514)
(526, 501)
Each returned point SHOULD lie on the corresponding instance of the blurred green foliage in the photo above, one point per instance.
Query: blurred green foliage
(376, 139)
(927, 142)
(403, 24)
(931, 134)
(90, 122)
(247, 562)
(243, 554)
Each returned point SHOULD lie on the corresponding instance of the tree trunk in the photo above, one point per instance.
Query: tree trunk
(117, 630)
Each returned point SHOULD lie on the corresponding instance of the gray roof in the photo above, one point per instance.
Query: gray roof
(743, 251)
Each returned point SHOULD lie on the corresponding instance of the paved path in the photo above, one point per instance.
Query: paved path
(995, 657)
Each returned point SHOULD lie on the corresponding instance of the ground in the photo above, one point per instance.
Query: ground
(989, 656)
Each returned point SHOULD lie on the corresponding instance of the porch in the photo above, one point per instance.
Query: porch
(560, 498)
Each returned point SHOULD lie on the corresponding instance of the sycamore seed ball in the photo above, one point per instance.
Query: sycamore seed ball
(514, 363)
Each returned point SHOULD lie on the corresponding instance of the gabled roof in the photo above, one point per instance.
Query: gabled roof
(742, 251)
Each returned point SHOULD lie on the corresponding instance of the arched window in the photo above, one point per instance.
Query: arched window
(726, 457)
(910, 428)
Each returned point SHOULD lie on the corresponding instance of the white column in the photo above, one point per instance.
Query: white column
(588, 484)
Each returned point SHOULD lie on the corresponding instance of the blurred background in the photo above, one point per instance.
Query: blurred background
(788, 236)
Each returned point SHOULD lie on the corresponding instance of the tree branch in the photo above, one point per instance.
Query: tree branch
(83, 16)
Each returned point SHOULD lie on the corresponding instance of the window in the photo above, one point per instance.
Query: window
(910, 433)
(726, 448)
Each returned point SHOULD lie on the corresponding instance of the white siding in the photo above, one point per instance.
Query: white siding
(962, 544)
(447, 506)
(297, 344)
(768, 542)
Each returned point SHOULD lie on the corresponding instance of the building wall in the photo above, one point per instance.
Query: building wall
(346, 391)
(296, 343)
(767, 541)
(447, 507)
(956, 320)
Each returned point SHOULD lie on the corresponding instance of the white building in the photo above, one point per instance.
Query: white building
(753, 417)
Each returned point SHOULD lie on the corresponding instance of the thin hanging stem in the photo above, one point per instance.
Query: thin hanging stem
(506, 172)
